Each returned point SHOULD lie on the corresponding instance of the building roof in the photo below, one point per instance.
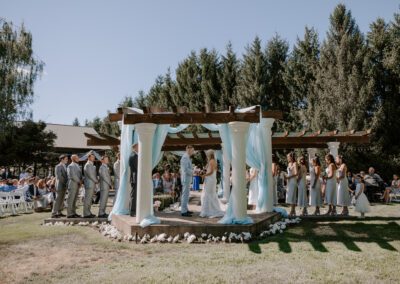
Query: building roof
(72, 137)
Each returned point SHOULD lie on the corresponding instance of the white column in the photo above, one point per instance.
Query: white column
(145, 133)
(311, 155)
(226, 174)
(334, 148)
(267, 124)
(238, 133)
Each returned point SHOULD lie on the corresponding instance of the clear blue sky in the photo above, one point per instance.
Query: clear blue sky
(97, 52)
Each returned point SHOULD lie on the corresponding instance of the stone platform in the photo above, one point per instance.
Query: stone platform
(75, 220)
(172, 223)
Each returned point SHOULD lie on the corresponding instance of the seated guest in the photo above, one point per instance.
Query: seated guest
(372, 183)
(23, 174)
(6, 174)
(395, 187)
(351, 181)
(167, 184)
(32, 193)
(157, 184)
(46, 197)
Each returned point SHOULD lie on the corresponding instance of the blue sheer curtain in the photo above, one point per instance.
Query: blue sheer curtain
(127, 140)
(218, 153)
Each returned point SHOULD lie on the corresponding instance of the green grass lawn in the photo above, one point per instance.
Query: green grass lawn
(345, 251)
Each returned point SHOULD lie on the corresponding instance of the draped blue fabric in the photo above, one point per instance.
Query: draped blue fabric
(119, 207)
(160, 134)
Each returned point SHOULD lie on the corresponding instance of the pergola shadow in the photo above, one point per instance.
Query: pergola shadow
(348, 234)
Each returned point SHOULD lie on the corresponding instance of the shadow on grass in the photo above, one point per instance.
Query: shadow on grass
(347, 233)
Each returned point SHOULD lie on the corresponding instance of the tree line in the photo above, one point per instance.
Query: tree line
(349, 80)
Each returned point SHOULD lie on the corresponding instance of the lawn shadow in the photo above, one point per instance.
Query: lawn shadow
(347, 233)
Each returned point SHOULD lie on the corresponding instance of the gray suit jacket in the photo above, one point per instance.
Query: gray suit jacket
(61, 176)
(105, 178)
(90, 175)
(74, 175)
(117, 168)
(186, 167)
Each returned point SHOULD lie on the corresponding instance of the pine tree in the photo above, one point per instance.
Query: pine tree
(229, 79)
(252, 89)
(188, 78)
(301, 76)
(277, 93)
(211, 72)
(76, 122)
(344, 88)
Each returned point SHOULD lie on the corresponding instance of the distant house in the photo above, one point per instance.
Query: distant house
(71, 139)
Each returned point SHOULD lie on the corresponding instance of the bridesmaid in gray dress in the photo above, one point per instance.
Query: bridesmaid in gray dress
(291, 189)
(343, 196)
(302, 200)
(315, 185)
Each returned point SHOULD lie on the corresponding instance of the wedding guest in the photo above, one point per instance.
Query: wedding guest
(275, 177)
(315, 185)
(6, 174)
(253, 188)
(157, 183)
(362, 204)
(167, 183)
(343, 194)
(291, 178)
(330, 190)
(372, 183)
(23, 174)
(46, 198)
(302, 200)
(351, 180)
(196, 178)
(395, 187)
(32, 193)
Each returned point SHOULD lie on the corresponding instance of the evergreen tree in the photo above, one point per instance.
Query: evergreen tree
(76, 122)
(344, 88)
(277, 93)
(229, 79)
(301, 76)
(252, 89)
(210, 67)
(188, 78)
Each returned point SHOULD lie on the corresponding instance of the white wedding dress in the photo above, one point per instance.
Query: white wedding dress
(210, 206)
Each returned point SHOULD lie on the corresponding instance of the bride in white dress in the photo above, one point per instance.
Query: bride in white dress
(210, 206)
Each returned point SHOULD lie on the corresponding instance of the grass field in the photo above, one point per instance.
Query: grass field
(346, 251)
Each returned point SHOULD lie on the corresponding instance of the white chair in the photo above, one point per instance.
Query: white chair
(395, 195)
(7, 205)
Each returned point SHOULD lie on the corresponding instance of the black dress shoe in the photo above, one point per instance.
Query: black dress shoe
(77, 216)
(71, 216)
(89, 216)
(54, 216)
(103, 216)
(187, 214)
(61, 215)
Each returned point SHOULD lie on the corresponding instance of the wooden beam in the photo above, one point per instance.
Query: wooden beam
(351, 132)
(315, 133)
(334, 132)
(196, 147)
(191, 118)
(285, 134)
(113, 117)
(320, 139)
(277, 114)
(301, 134)
(153, 109)
(191, 141)
(298, 146)
(364, 133)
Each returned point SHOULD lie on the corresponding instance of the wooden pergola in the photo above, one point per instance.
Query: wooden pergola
(212, 140)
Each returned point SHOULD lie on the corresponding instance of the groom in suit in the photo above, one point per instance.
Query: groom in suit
(133, 164)
(187, 176)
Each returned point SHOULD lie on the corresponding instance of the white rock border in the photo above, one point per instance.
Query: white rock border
(112, 232)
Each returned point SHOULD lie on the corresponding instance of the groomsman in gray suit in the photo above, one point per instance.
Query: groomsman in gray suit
(74, 182)
(90, 185)
(116, 168)
(61, 186)
(187, 176)
(105, 185)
